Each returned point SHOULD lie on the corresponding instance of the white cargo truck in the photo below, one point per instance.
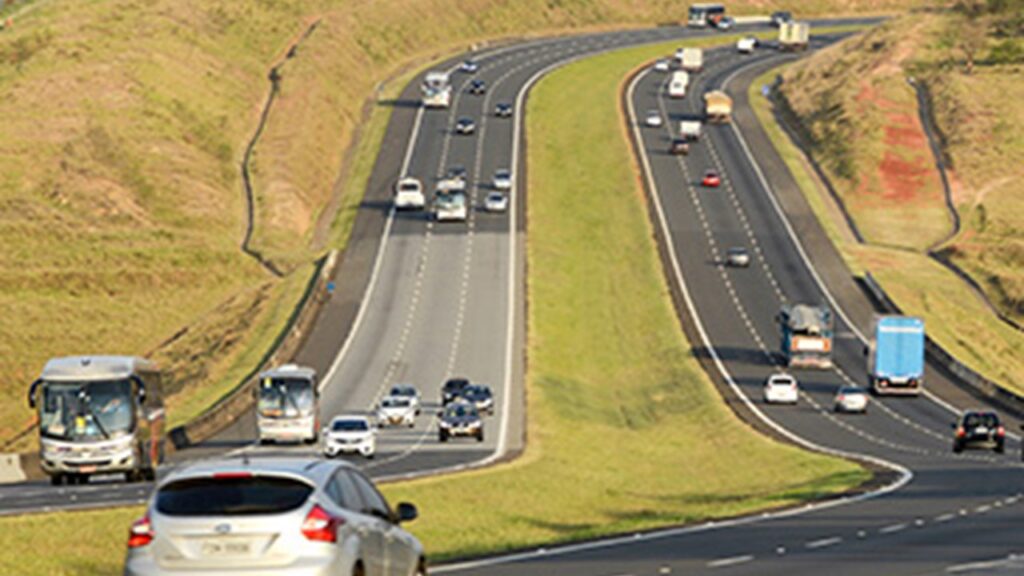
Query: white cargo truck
(794, 36)
(678, 83)
(690, 129)
(690, 59)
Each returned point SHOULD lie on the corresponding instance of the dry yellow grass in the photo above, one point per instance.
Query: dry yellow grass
(123, 126)
(847, 96)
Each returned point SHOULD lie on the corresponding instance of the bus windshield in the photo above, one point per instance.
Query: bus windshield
(286, 398)
(87, 410)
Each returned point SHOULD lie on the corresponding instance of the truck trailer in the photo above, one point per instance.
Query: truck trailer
(896, 356)
(690, 59)
(717, 107)
(794, 36)
(806, 335)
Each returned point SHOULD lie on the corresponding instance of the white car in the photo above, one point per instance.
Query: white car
(746, 45)
(781, 389)
(851, 399)
(469, 66)
(737, 257)
(409, 194)
(407, 391)
(396, 411)
(496, 202)
(653, 119)
(350, 435)
(451, 207)
(502, 179)
(662, 65)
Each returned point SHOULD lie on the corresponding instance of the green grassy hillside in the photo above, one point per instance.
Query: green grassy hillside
(860, 113)
(122, 127)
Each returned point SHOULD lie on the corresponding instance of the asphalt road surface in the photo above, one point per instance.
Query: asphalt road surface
(427, 300)
(942, 513)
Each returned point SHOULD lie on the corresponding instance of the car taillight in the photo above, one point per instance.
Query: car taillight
(320, 526)
(141, 533)
(960, 432)
(1000, 431)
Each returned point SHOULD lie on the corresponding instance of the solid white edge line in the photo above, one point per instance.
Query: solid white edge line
(905, 474)
(800, 249)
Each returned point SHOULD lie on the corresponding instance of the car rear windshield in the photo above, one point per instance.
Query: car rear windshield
(242, 496)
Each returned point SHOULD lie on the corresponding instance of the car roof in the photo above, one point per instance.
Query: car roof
(342, 417)
(314, 470)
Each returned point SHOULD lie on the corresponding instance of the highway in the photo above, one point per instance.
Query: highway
(441, 300)
(939, 512)
(421, 301)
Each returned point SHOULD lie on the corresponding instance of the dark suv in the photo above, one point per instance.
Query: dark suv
(977, 429)
(452, 389)
(460, 418)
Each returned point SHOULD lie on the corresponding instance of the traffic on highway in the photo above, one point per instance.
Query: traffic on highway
(427, 376)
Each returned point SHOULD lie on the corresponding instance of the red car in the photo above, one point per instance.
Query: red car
(711, 179)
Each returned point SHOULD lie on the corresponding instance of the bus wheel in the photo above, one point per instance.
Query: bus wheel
(56, 479)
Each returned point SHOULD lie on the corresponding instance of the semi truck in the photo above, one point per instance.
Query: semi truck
(717, 107)
(690, 59)
(806, 335)
(437, 90)
(794, 36)
(896, 356)
(678, 83)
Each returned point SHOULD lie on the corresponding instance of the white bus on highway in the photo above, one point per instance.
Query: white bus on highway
(437, 90)
(703, 14)
(678, 83)
(287, 405)
(99, 415)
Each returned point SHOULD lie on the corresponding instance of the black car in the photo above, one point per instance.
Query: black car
(977, 429)
(479, 396)
(452, 389)
(465, 125)
(503, 110)
(477, 87)
(779, 18)
(456, 172)
(460, 419)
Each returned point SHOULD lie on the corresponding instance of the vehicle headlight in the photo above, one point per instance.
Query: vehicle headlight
(444, 424)
(475, 424)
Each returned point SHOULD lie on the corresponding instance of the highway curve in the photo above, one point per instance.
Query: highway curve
(425, 301)
(939, 512)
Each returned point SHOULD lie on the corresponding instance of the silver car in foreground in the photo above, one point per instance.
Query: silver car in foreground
(272, 516)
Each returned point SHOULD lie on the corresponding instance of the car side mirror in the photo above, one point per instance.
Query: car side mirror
(953, 426)
(324, 430)
(406, 512)
(32, 393)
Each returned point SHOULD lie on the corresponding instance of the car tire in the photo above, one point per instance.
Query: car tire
(371, 455)
(442, 437)
(1000, 448)
(957, 448)
(480, 437)
(421, 567)
(358, 570)
(57, 480)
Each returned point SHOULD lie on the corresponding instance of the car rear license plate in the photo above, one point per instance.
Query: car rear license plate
(226, 548)
(981, 430)
(87, 469)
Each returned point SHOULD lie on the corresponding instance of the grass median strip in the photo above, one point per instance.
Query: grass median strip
(626, 432)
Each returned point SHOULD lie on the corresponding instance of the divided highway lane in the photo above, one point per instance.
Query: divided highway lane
(954, 510)
(440, 301)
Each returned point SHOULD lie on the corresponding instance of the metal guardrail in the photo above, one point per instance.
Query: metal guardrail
(959, 373)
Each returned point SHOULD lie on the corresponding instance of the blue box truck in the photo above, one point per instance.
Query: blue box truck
(896, 356)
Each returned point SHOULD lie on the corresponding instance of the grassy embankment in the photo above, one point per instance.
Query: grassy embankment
(861, 114)
(598, 369)
(124, 124)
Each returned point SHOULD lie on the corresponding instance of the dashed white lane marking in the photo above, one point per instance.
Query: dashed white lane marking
(944, 517)
(731, 561)
(823, 543)
(893, 528)
(982, 509)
